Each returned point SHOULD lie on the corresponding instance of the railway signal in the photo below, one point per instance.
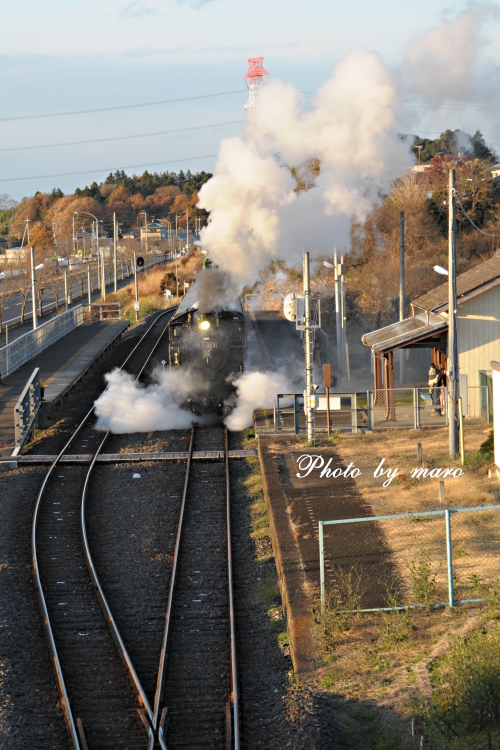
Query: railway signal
(140, 262)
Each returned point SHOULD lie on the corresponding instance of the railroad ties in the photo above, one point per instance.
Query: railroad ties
(195, 704)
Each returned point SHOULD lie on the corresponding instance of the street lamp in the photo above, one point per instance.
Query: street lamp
(77, 213)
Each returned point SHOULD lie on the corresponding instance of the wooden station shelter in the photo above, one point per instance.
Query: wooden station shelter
(478, 330)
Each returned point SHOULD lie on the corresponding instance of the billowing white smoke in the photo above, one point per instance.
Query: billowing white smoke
(350, 126)
(443, 64)
(126, 406)
(256, 390)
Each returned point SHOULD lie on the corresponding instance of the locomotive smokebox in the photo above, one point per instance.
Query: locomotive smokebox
(207, 337)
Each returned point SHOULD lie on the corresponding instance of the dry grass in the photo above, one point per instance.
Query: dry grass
(151, 296)
(474, 536)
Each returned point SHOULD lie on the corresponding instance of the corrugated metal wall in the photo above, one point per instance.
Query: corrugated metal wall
(479, 334)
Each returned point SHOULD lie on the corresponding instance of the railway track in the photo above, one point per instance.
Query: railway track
(195, 703)
(99, 700)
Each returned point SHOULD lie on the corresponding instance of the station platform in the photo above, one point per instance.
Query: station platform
(61, 365)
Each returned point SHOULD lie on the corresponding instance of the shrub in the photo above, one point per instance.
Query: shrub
(396, 625)
(423, 579)
(340, 607)
(469, 701)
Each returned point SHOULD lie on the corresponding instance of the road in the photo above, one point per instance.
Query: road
(12, 313)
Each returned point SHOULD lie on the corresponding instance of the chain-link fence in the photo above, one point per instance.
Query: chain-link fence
(429, 559)
(401, 408)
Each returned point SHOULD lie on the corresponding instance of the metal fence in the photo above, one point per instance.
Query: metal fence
(103, 311)
(434, 558)
(29, 344)
(401, 408)
(26, 410)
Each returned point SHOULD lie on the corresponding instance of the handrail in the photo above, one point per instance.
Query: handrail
(163, 656)
(234, 666)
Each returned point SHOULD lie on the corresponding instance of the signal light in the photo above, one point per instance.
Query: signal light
(140, 262)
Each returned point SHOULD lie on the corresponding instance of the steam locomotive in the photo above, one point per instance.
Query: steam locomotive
(208, 338)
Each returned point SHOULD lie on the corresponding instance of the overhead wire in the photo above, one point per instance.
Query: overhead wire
(120, 107)
(107, 169)
(122, 137)
(469, 218)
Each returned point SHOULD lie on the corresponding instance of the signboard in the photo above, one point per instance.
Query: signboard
(136, 306)
(327, 376)
(334, 402)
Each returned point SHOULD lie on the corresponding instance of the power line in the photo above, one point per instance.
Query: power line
(122, 106)
(107, 169)
(121, 137)
(474, 225)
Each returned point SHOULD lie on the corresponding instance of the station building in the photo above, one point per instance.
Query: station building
(478, 329)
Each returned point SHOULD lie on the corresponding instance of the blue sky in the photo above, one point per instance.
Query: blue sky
(60, 56)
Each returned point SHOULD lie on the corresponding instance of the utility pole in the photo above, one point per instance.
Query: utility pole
(345, 366)
(103, 282)
(54, 232)
(136, 305)
(187, 230)
(453, 389)
(66, 290)
(75, 247)
(146, 228)
(402, 353)
(308, 346)
(89, 291)
(114, 246)
(338, 320)
(33, 288)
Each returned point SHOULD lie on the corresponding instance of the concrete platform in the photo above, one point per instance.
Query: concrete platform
(294, 506)
(61, 365)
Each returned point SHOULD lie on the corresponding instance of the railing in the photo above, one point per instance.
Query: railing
(26, 410)
(29, 344)
(401, 408)
(103, 311)
(411, 559)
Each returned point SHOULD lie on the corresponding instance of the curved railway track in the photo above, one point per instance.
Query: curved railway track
(195, 704)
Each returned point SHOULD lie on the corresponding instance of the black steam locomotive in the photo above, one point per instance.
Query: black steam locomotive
(208, 338)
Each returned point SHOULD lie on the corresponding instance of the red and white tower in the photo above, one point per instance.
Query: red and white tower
(254, 77)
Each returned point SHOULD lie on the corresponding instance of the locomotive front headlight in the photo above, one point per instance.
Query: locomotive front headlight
(205, 325)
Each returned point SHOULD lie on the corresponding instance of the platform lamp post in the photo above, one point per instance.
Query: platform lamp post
(77, 213)
(33, 288)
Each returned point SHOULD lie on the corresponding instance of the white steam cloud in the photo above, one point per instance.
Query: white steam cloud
(444, 63)
(126, 406)
(255, 390)
(351, 127)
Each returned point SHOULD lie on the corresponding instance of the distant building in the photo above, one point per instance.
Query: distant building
(153, 232)
(495, 172)
(17, 253)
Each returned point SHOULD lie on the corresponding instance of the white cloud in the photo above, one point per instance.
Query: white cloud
(138, 10)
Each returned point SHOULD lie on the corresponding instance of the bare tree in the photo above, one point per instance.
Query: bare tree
(43, 282)
(6, 202)
(21, 274)
(6, 295)
(56, 284)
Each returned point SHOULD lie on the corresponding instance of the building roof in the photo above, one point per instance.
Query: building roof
(485, 274)
(404, 331)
